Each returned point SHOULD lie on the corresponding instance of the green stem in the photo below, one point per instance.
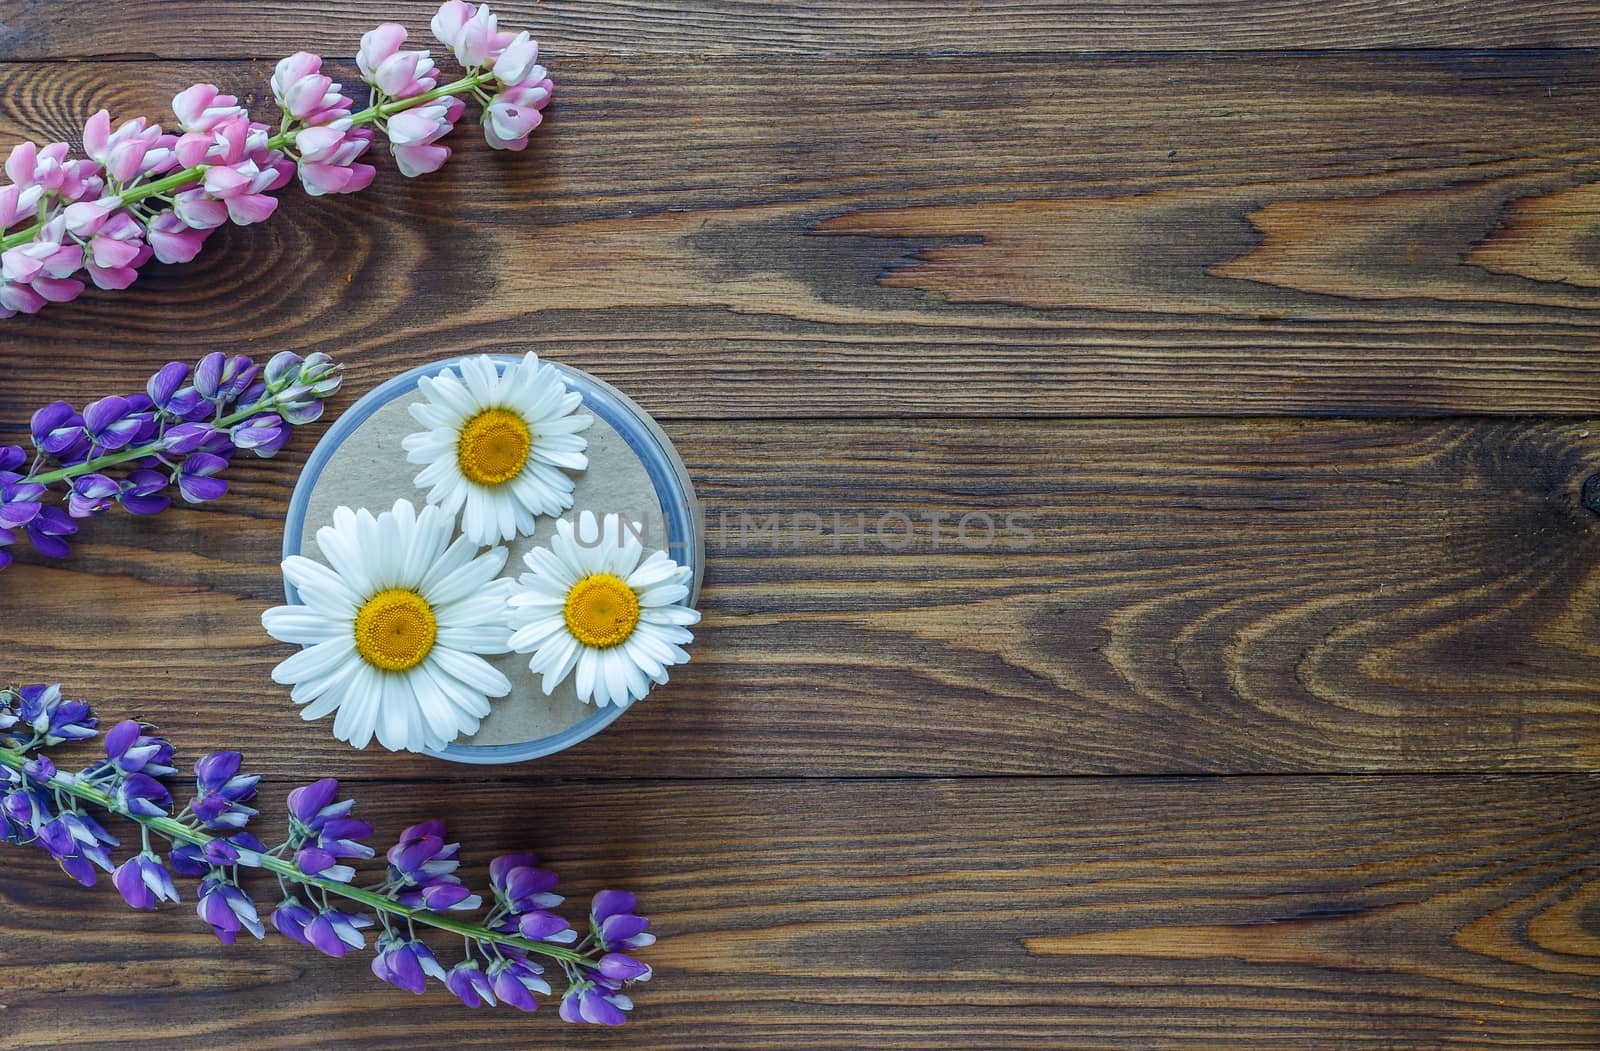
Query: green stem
(139, 452)
(180, 179)
(181, 833)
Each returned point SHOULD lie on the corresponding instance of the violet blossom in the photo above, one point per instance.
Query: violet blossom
(128, 450)
(422, 886)
(142, 193)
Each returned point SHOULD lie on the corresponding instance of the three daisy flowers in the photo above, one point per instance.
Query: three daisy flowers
(395, 628)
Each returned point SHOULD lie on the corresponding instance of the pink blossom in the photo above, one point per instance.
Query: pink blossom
(175, 241)
(473, 35)
(327, 158)
(519, 62)
(242, 188)
(200, 108)
(50, 171)
(133, 150)
(413, 134)
(398, 74)
(112, 257)
(40, 271)
(304, 93)
(513, 114)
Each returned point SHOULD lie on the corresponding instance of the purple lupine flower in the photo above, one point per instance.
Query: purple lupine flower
(111, 422)
(91, 494)
(92, 841)
(221, 791)
(220, 379)
(264, 435)
(520, 885)
(12, 457)
(406, 963)
(314, 861)
(195, 479)
(131, 751)
(54, 719)
(471, 986)
(595, 1003)
(56, 838)
(314, 805)
(614, 924)
(541, 926)
(228, 910)
(7, 538)
(19, 500)
(187, 859)
(425, 866)
(58, 430)
(292, 917)
(622, 968)
(141, 492)
(163, 387)
(47, 529)
(140, 795)
(515, 981)
(185, 438)
(40, 768)
(143, 881)
(28, 808)
(335, 933)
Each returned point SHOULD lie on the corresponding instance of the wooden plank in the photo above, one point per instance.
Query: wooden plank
(1403, 912)
(268, 30)
(1348, 234)
(1172, 596)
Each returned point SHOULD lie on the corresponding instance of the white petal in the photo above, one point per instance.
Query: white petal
(301, 625)
(316, 660)
(471, 670)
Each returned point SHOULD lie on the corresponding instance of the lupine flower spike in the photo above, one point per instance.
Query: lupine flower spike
(142, 193)
(179, 432)
(321, 904)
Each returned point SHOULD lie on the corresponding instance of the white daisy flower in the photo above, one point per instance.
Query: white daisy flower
(590, 604)
(393, 632)
(497, 445)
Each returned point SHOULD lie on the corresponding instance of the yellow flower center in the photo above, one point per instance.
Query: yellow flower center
(493, 447)
(601, 611)
(395, 630)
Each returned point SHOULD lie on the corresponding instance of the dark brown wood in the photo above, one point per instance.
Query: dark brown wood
(1156, 234)
(1169, 596)
(1105, 268)
(1401, 912)
(273, 28)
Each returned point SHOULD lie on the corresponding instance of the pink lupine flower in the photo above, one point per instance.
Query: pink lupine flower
(398, 74)
(519, 62)
(303, 92)
(41, 270)
(175, 241)
(474, 36)
(117, 250)
(53, 173)
(243, 188)
(225, 142)
(513, 114)
(200, 108)
(413, 136)
(132, 150)
(327, 158)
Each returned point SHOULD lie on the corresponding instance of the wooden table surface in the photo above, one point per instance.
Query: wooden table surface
(1271, 717)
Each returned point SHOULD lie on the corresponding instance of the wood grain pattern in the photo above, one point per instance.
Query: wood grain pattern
(273, 28)
(1401, 913)
(1020, 236)
(1216, 596)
